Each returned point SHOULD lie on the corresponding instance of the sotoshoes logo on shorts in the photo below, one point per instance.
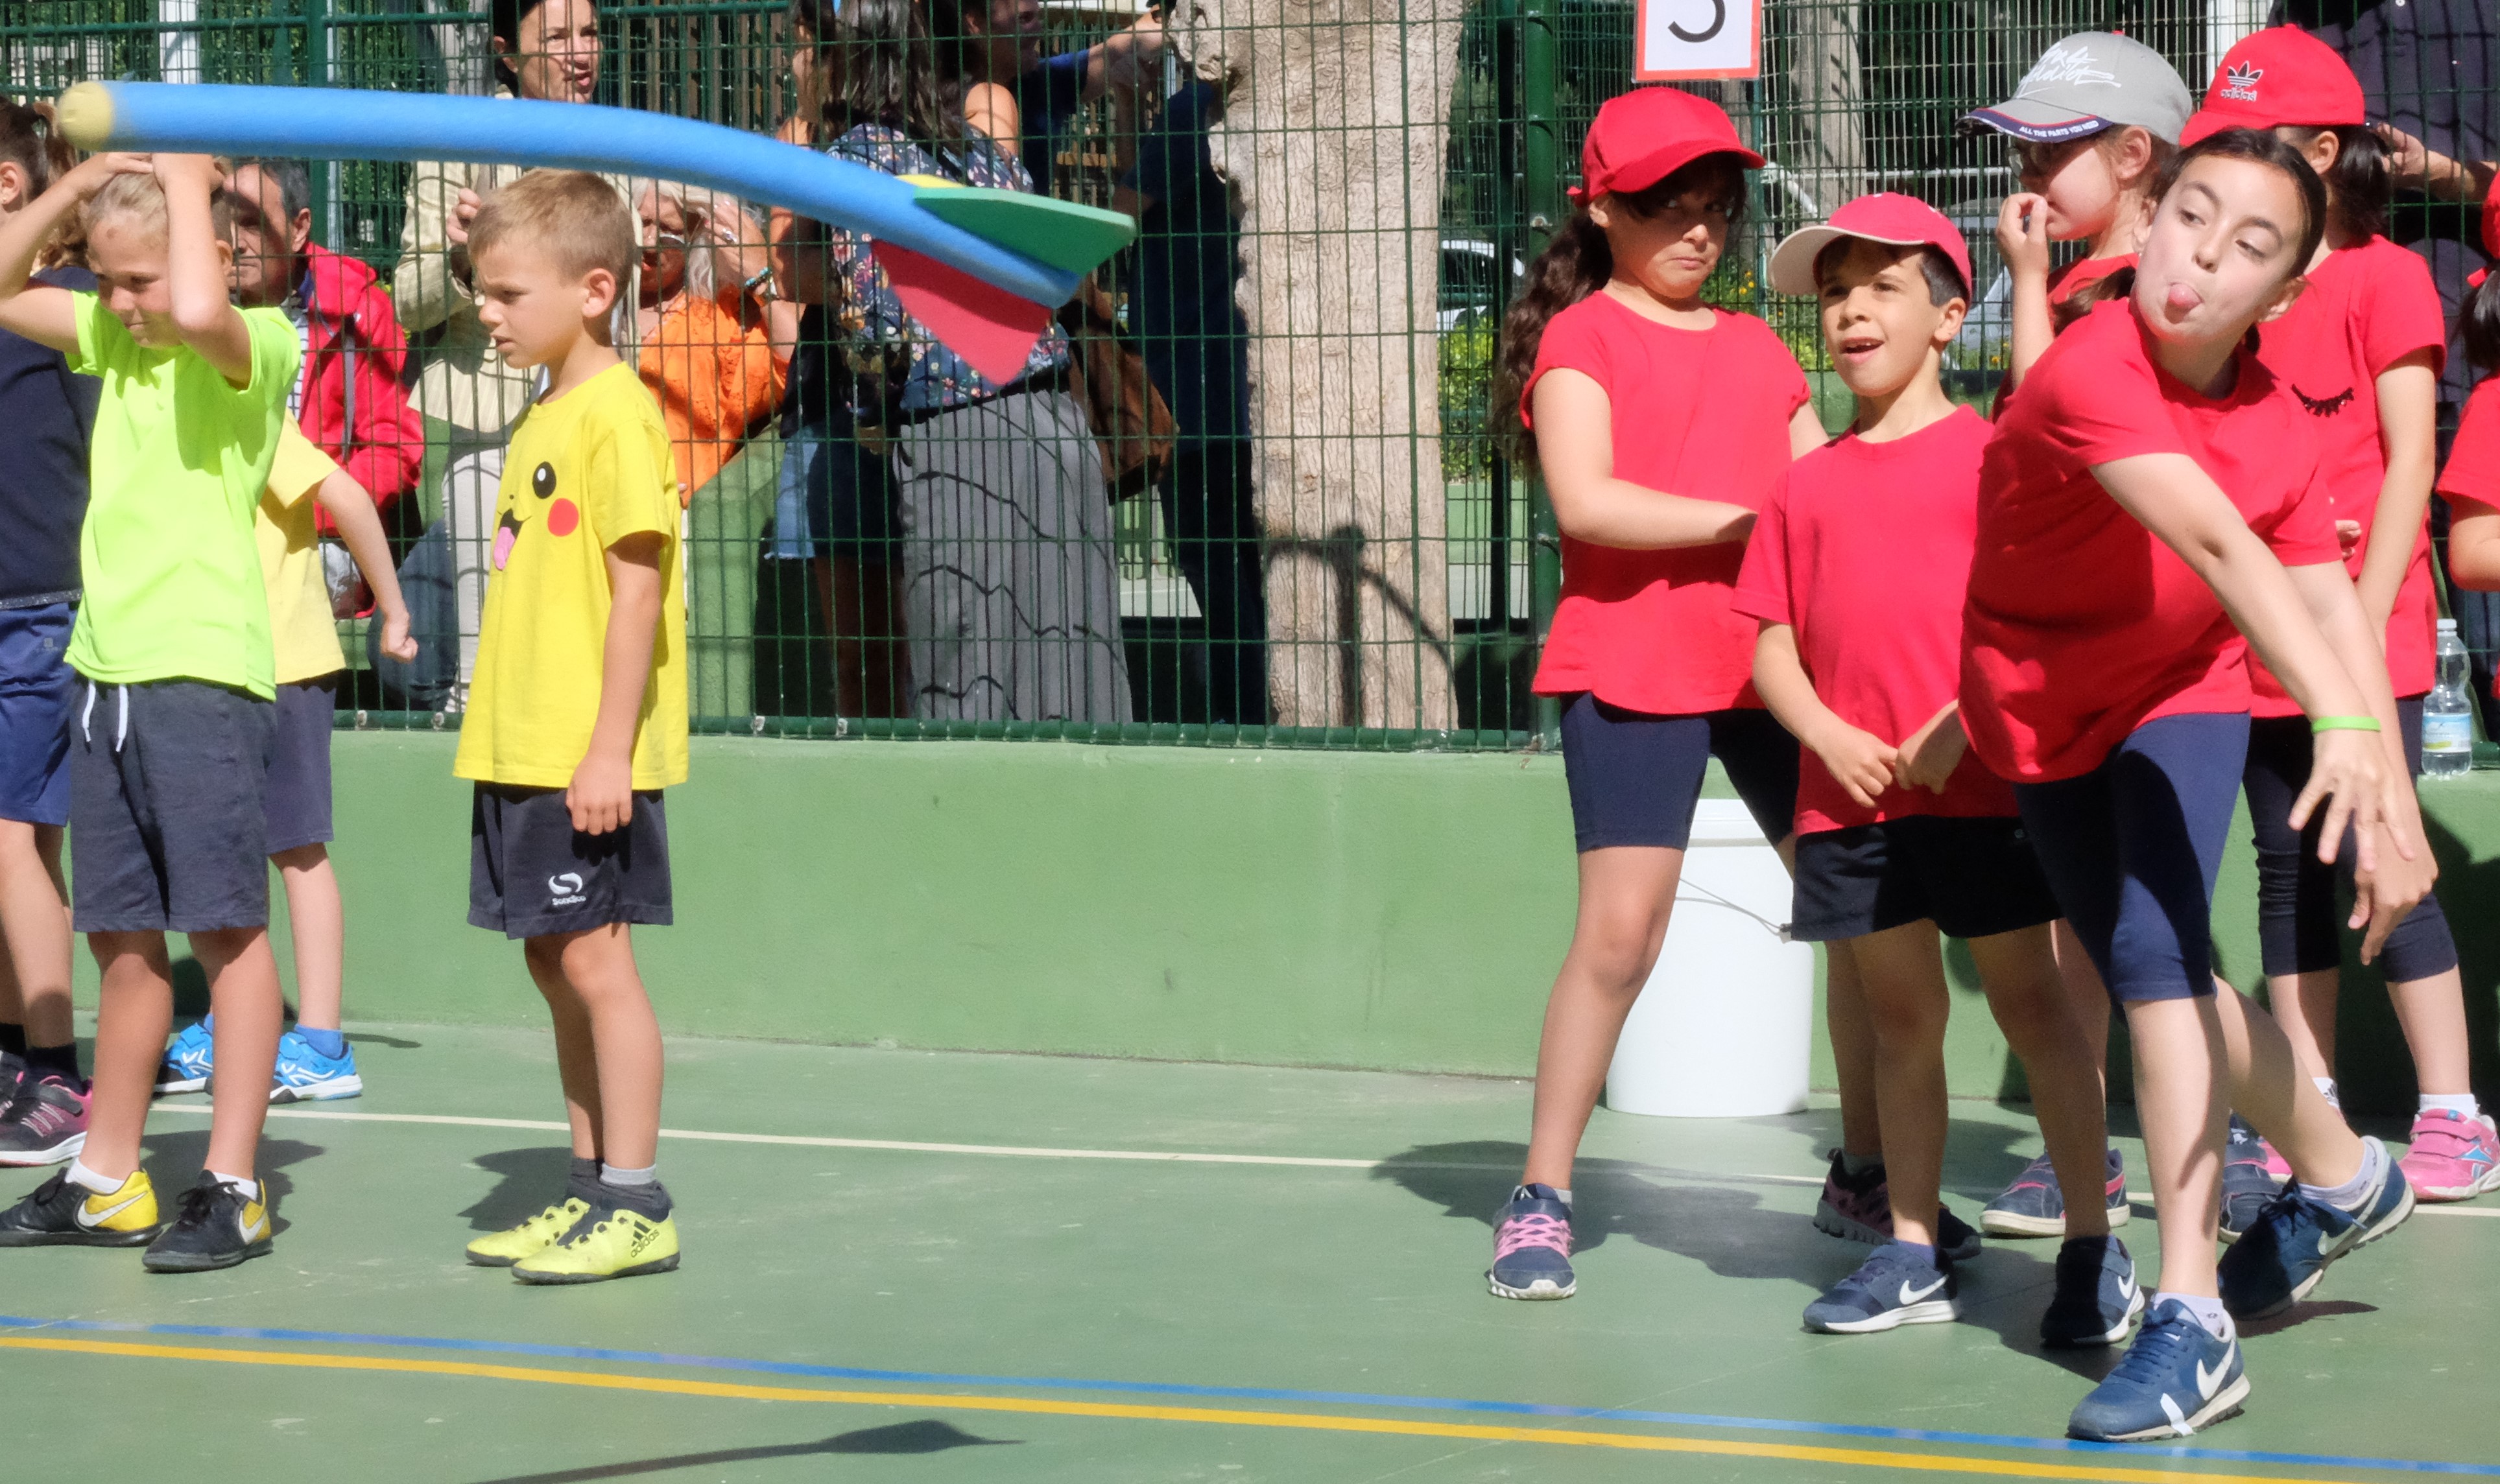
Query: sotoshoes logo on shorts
(564, 890)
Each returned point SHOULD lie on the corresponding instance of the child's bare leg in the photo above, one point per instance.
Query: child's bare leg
(2304, 1008)
(1902, 973)
(576, 1061)
(251, 1013)
(134, 1014)
(2086, 995)
(1626, 893)
(2432, 1013)
(1853, 1051)
(599, 965)
(2268, 1090)
(35, 932)
(2028, 991)
(316, 922)
(2182, 1083)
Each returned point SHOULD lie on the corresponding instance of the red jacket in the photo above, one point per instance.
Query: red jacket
(353, 405)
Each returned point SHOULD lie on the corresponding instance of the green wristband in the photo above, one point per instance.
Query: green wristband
(2342, 724)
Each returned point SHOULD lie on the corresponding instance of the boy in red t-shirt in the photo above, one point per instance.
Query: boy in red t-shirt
(1856, 575)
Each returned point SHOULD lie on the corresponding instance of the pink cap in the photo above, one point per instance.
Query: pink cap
(2277, 75)
(1889, 218)
(1644, 135)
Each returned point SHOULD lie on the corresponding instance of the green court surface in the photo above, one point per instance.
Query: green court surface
(936, 1266)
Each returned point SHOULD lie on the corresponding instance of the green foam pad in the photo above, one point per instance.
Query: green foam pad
(1059, 233)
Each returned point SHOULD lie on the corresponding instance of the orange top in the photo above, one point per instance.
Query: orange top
(717, 380)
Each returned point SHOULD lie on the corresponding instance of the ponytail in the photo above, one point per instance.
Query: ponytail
(2480, 323)
(1576, 264)
(30, 138)
(2358, 184)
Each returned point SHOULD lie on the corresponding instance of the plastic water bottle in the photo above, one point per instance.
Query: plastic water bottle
(2448, 712)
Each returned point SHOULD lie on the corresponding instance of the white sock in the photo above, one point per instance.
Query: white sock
(2461, 1103)
(2209, 1313)
(249, 1191)
(2348, 1196)
(1564, 1196)
(648, 1175)
(2328, 1089)
(102, 1184)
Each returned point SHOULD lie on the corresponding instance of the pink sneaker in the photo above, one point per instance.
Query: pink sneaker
(47, 1125)
(2454, 1157)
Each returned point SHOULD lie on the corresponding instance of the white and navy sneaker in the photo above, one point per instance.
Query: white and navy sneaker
(305, 1075)
(189, 1061)
(2177, 1378)
(1531, 1246)
(2287, 1251)
(2096, 1298)
(2249, 1180)
(1896, 1285)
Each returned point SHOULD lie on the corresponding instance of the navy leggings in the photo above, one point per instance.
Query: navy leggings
(2299, 917)
(2131, 850)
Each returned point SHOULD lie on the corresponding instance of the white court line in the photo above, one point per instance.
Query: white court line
(1037, 1151)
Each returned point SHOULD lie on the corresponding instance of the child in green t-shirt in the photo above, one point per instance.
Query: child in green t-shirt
(170, 755)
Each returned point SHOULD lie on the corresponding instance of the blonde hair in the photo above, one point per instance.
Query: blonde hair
(571, 214)
(140, 199)
(725, 222)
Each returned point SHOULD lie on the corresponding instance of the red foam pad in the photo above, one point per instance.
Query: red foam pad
(990, 327)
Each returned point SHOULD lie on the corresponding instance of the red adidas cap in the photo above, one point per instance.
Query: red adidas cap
(1643, 136)
(1889, 218)
(2279, 75)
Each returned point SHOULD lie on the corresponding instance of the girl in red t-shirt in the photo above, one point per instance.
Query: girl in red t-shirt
(1660, 424)
(2151, 495)
(2362, 349)
(2471, 481)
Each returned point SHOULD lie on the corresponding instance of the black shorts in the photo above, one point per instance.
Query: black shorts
(531, 874)
(1972, 878)
(167, 825)
(1634, 777)
(298, 807)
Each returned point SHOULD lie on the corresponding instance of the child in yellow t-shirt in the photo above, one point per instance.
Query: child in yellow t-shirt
(577, 715)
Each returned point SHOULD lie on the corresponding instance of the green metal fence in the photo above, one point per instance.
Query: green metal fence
(1392, 168)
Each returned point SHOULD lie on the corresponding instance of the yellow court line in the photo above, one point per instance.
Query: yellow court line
(1316, 1422)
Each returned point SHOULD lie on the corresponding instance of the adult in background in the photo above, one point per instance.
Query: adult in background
(716, 340)
(1197, 345)
(1019, 97)
(545, 49)
(1009, 592)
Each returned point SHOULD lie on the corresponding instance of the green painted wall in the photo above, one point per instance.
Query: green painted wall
(1398, 911)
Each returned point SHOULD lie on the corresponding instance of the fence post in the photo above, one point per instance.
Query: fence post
(1541, 174)
(324, 174)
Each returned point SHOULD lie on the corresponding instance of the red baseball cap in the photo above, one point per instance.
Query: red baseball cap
(1887, 217)
(1644, 135)
(2277, 75)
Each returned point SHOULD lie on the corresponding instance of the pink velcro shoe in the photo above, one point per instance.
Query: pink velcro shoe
(2454, 1157)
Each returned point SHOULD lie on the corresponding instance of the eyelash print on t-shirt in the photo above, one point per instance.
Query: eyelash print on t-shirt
(2325, 406)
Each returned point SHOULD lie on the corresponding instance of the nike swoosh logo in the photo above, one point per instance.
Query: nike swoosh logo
(2127, 1290)
(253, 1231)
(1910, 1296)
(2207, 1384)
(108, 1213)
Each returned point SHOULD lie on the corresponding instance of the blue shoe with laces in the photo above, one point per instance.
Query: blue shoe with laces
(2096, 1298)
(305, 1075)
(2034, 1206)
(1531, 1246)
(1896, 1285)
(2176, 1379)
(189, 1061)
(2288, 1248)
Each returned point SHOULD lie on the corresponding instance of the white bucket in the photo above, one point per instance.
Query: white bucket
(1723, 1027)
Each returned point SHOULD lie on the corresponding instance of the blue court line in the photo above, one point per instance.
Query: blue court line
(1257, 1394)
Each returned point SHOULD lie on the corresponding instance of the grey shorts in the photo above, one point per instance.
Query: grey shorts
(167, 784)
(299, 765)
(532, 875)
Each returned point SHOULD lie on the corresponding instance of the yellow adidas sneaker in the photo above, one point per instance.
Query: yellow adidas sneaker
(60, 1214)
(610, 1242)
(502, 1250)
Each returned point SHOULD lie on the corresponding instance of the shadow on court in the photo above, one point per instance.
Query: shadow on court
(175, 1159)
(526, 1181)
(927, 1436)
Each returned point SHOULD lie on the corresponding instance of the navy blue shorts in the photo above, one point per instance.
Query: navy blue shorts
(2133, 848)
(532, 875)
(168, 831)
(1972, 878)
(36, 685)
(1634, 777)
(2300, 907)
(298, 801)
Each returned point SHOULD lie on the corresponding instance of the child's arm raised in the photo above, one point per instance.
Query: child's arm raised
(195, 272)
(352, 510)
(601, 795)
(2023, 241)
(2409, 436)
(1575, 446)
(1860, 759)
(39, 311)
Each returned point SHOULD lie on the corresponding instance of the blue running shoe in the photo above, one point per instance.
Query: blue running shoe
(2248, 1185)
(189, 1061)
(2287, 1251)
(2096, 1298)
(2034, 1206)
(305, 1075)
(1531, 1246)
(2176, 1379)
(1896, 1285)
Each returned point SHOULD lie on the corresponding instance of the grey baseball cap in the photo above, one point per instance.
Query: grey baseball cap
(2086, 83)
